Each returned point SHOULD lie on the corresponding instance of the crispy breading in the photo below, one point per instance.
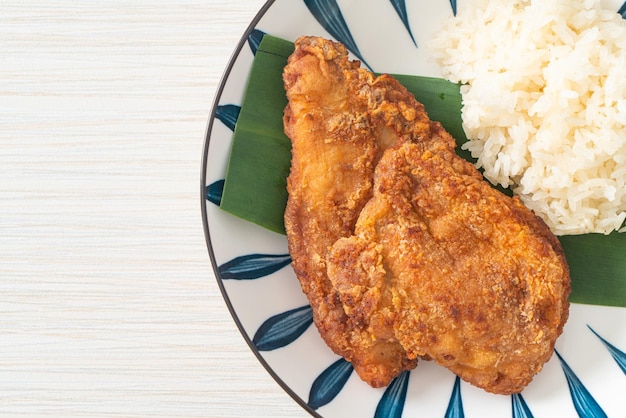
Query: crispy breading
(340, 118)
(476, 281)
(439, 264)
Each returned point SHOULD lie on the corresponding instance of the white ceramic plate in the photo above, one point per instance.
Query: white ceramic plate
(586, 378)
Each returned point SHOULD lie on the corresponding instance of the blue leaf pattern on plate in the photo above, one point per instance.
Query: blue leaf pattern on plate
(329, 383)
(214, 192)
(253, 266)
(453, 5)
(585, 404)
(400, 6)
(392, 402)
(328, 14)
(283, 329)
(455, 406)
(618, 355)
(228, 114)
(254, 40)
(520, 409)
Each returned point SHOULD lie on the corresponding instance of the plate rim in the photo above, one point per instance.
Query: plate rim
(226, 75)
(203, 205)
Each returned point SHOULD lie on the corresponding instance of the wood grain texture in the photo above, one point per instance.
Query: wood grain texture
(108, 303)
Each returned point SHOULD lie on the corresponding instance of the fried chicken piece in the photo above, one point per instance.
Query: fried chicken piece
(467, 276)
(340, 118)
(439, 265)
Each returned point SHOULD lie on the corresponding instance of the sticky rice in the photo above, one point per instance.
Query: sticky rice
(544, 104)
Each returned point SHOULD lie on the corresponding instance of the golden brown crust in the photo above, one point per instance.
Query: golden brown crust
(478, 282)
(427, 225)
(340, 118)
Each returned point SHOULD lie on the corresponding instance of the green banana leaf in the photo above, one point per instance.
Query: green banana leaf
(260, 156)
(255, 184)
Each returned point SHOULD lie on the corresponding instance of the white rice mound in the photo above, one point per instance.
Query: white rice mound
(544, 104)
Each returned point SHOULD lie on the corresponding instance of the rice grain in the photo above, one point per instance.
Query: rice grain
(544, 104)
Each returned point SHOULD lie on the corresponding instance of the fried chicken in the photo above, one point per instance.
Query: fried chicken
(340, 118)
(474, 279)
(401, 248)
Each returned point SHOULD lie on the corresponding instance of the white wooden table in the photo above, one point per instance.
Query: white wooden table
(108, 303)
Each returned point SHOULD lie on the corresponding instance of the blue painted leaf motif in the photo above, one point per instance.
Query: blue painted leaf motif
(254, 39)
(283, 329)
(329, 383)
(228, 114)
(392, 402)
(520, 409)
(585, 405)
(400, 6)
(622, 10)
(328, 14)
(618, 355)
(213, 192)
(455, 406)
(253, 266)
(453, 4)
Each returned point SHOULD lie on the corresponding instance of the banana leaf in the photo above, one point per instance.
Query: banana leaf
(255, 184)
